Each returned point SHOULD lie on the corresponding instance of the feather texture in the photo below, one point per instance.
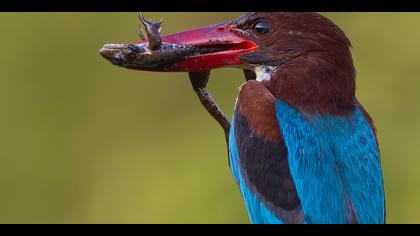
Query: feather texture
(257, 210)
(335, 164)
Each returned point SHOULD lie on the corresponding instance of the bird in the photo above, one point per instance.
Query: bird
(302, 148)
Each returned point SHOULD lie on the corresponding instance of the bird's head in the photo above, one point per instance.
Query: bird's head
(301, 58)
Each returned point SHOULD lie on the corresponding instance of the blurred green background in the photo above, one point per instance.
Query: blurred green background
(83, 141)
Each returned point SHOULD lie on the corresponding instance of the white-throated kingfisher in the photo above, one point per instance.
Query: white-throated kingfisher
(301, 147)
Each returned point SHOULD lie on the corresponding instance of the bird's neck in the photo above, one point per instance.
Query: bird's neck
(315, 84)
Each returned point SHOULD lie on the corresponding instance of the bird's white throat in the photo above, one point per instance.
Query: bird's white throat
(263, 72)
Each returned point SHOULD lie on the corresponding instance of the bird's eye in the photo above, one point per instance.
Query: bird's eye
(261, 28)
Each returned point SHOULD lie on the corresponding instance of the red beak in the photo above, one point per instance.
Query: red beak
(222, 46)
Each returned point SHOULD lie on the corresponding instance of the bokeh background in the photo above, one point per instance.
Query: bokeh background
(82, 141)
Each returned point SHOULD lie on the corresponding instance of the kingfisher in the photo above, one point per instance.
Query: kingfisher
(302, 148)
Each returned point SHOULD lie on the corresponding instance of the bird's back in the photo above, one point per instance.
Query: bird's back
(334, 163)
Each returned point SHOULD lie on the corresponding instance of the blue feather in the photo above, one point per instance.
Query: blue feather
(335, 164)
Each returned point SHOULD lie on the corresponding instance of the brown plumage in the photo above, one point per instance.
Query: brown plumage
(257, 105)
(314, 71)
